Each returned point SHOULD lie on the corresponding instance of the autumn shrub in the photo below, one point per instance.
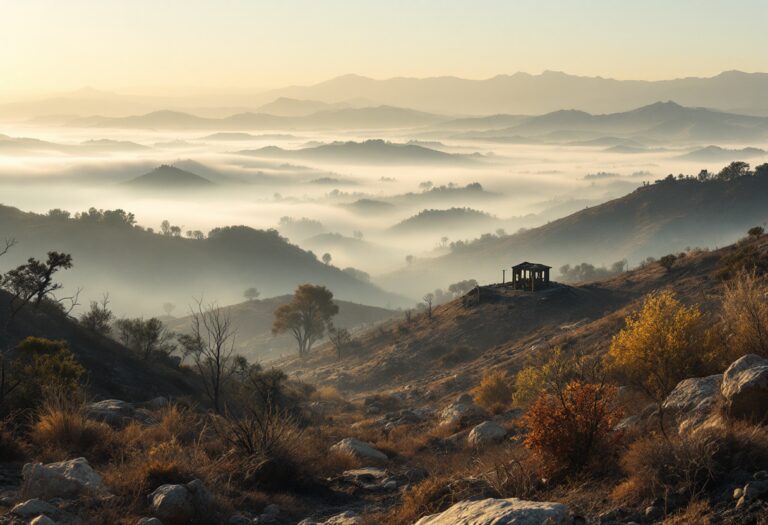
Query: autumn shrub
(494, 393)
(551, 375)
(61, 429)
(745, 315)
(570, 431)
(692, 464)
(661, 344)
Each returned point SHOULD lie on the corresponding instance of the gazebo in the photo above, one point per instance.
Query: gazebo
(530, 276)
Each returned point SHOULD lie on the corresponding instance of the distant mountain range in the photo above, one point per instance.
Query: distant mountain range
(522, 93)
(661, 121)
(450, 221)
(651, 221)
(367, 152)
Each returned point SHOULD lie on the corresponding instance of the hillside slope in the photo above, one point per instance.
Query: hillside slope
(651, 221)
(143, 270)
(431, 359)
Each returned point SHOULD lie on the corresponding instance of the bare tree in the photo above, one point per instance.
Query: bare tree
(98, 317)
(340, 339)
(428, 300)
(211, 345)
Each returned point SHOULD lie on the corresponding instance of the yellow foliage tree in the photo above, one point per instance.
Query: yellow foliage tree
(662, 344)
(494, 392)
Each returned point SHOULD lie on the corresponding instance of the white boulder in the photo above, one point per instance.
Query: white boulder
(34, 507)
(491, 511)
(693, 402)
(64, 479)
(745, 388)
(179, 504)
(359, 449)
(485, 433)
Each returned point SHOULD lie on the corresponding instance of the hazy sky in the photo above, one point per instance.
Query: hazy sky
(57, 45)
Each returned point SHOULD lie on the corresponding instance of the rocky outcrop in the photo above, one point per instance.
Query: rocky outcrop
(360, 449)
(491, 511)
(65, 479)
(745, 388)
(486, 433)
(179, 504)
(692, 402)
(42, 520)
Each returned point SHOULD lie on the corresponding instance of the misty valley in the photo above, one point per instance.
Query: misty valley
(241, 287)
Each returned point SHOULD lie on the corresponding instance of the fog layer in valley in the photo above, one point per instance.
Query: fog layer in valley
(379, 189)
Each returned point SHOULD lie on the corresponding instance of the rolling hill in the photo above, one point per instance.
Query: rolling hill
(253, 322)
(167, 177)
(651, 221)
(718, 154)
(452, 220)
(143, 270)
(367, 152)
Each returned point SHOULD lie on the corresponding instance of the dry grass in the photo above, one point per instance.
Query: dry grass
(11, 448)
(494, 393)
(62, 431)
(697, 512)
(691, 464)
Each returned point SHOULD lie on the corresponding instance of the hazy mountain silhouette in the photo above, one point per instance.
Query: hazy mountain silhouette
(169, 177)
(443, 221)
(718, 154)
(367, 152)
(661, 121)
(291, 107)
(356, 118)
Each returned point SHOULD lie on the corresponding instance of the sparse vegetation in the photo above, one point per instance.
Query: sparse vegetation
(494, 393)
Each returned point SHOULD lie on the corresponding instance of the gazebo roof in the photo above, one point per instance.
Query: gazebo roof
(531, 266)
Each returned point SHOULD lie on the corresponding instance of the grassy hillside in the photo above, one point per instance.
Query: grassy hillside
(253, 321)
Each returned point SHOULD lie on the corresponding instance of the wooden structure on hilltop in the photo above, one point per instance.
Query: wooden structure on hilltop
(530, 276)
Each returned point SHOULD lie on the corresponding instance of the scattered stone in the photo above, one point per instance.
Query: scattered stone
(34, 507)
(64, 479)
(738, 492)
(492, 511)
(360, 449)
(486, 433)
(652, 512)
(745, 388)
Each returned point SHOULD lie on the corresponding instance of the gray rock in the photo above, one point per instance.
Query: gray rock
(692, 402)
(34, 507)
(492, 511)
(461, 412)
(745, 388)
(359, 449)
(486, 433)
(172, 504)
(64, 479)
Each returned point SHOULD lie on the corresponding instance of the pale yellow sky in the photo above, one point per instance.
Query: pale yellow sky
(196, 45)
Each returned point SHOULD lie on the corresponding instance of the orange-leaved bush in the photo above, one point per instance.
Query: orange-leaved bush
(571, 429)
